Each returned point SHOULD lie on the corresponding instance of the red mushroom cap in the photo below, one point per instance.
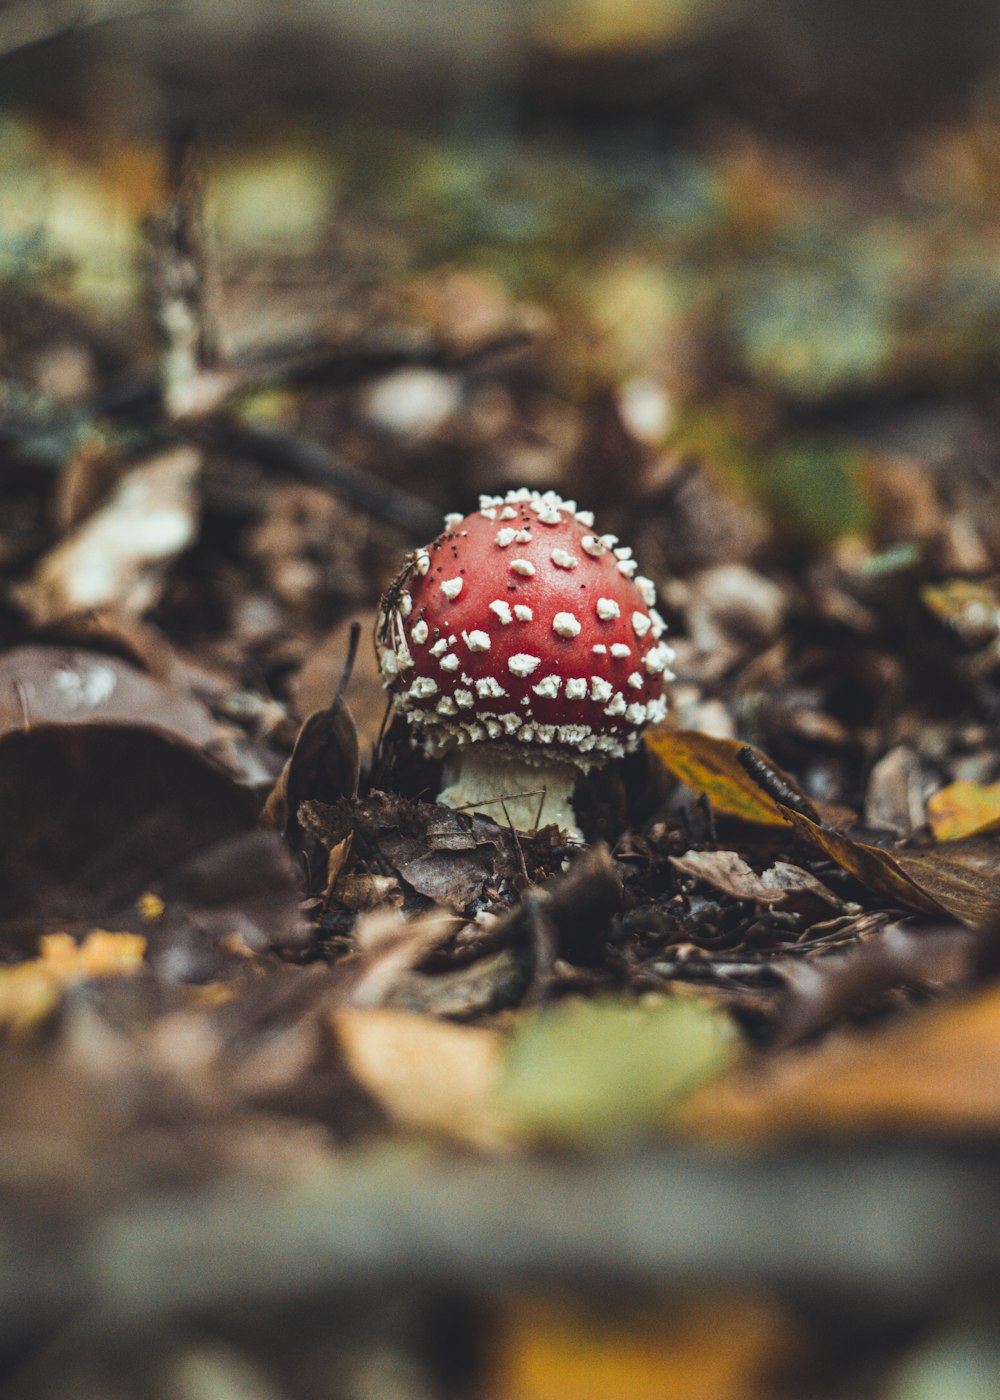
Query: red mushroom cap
(521, 626)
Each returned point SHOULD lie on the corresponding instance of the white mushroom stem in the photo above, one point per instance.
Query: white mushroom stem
(535, 792)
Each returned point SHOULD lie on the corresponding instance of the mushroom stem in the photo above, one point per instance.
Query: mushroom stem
(479, 775)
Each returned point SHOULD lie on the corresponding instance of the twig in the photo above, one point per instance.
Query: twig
(544, 945)
(348, 667)
(890, 1228)
(300, 457)
(492, 801)
(178, 279)
(522, 866)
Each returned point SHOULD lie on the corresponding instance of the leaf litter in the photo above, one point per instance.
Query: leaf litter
(241, 944)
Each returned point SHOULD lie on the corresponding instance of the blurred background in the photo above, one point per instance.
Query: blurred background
(761, 233)
(729, 274)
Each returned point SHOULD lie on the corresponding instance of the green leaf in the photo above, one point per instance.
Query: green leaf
(593, 1071)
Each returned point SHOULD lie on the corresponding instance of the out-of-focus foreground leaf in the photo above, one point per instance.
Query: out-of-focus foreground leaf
(937, 1071)
(581, 1072)
(425, 1074)
(722, 1347)
(961, 1363)
(30, 990)
(599, 1070)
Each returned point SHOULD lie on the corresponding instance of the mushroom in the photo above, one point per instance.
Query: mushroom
(523, 648)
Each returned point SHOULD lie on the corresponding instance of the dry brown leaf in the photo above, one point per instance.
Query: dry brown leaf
(874, 867)
(729, 872)
(72, 685)
(936, 1071)
(426, 1074)
(959, 882)
(323, 765)
(388, 947)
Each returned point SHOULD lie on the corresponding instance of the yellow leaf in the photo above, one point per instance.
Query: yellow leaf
(964, 809)
(150, 906)
(718, 1347)
(875, 868)
(30, 991)
(711, 766)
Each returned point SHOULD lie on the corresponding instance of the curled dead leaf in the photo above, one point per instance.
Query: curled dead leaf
(960, 881)
(324, 765)
(73, 685)
(779, 885)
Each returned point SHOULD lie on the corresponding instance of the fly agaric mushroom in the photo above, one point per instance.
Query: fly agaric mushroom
(523, 648)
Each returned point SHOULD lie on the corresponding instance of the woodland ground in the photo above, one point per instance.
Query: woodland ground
(314, 1088)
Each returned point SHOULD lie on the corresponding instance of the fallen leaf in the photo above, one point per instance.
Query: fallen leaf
(959, 1362)
(31, 990)
(963, 878)
(599, 1070)
(964, 808)
(388, 947)
(117, 557)
(455, 859)
(712, 766)
(823, 989)
(242, 892)
(894, 792)
(960, 882)
(71, 685)
(99, 817)
(873, 867)
(729, 872)
(718, 1347)
(937, 1070)
(426, 1074)
(323, 765)
(490, 984)
(969, 607)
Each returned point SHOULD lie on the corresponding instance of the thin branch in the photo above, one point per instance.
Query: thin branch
(288, 454)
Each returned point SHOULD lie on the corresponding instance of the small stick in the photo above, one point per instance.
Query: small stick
(178, 278)
(517, 844)
(775, 785)
(345, 675)
(507, 796)
(291, 455)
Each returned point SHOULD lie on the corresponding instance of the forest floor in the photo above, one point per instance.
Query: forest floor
(313, 1087)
